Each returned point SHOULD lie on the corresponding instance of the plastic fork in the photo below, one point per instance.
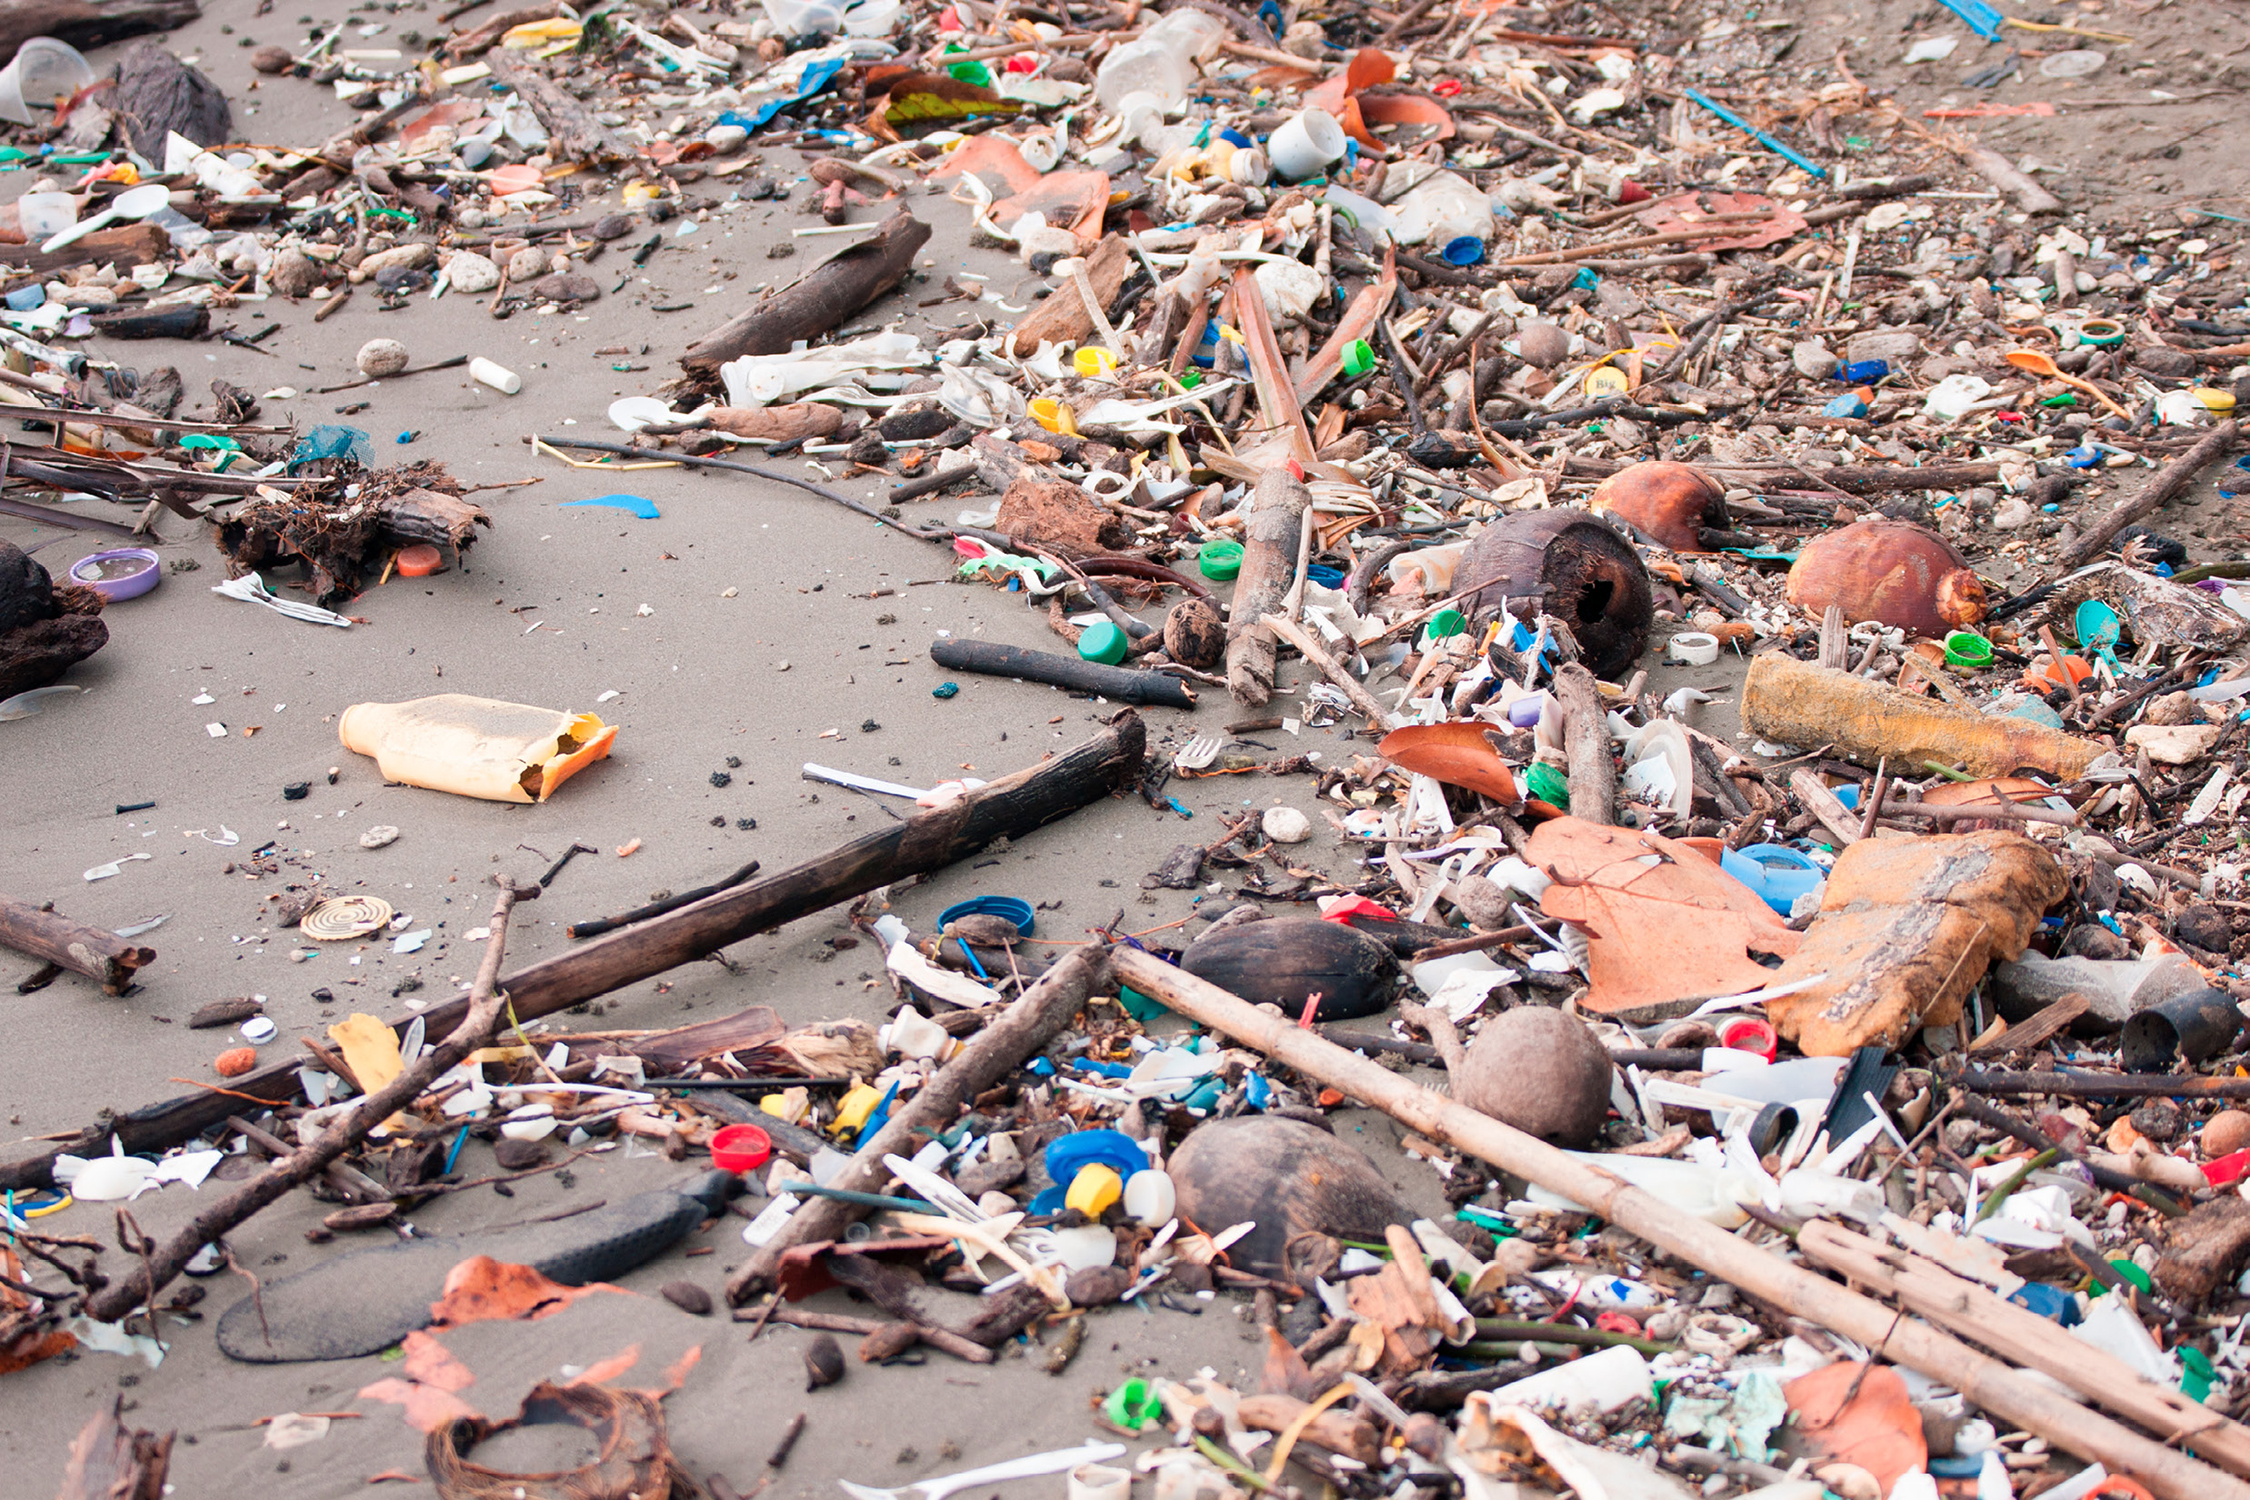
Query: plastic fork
(1197, 753)
(1016, 1468)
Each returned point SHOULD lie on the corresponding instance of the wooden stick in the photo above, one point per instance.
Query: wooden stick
(90, 951)
(2017, 1333)
(1986, 1382)
(1637, 242)
(936, 1338)
(1026, 1026)
(1593, 775)
(1270, 530)
(482, 1015)
(1013, 806)
(1309, 647)
(2169, 481)
(2103, 1085)
(1824, 804)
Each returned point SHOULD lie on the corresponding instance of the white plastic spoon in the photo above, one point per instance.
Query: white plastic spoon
(133, 203)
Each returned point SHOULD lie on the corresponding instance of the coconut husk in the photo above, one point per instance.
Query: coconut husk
(635, 1459)
(44, 630)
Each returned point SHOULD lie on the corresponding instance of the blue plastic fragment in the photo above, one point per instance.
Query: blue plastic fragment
(1978, 16)
(945, 690)
(2049, 1302)
(1112, 1148)
(1256, 1092)
(1326, 577)
(815, 78)
(330, 440)
(638, 505)
(1866, 372)
(876, 1120)
(1847, 405)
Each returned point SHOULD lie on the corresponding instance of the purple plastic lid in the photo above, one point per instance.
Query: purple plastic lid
(131, 585)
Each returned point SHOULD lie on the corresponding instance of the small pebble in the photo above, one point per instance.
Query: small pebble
(380, 357)
(687, 1297)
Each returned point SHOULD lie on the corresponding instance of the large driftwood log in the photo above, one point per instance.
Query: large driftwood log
(1121, 684)
(72, 945)
(2006, 1392)
(1034, 1020)
(1012, 807)
(818, 303)
(573, 133)
(1269, 567)
(87, 23)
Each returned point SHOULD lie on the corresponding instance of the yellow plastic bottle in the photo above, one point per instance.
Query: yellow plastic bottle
(476, 747)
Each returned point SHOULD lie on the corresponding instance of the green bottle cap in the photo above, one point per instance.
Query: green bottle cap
(1445, 623)
(1359, 358)
(1220, 560)
(1102, 641)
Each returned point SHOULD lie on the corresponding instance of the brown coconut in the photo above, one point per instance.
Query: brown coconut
(1194, 635)
(1669, 503)
(1895, 572)
(1540, 1070)
(1286, 1177)
(1570, 565)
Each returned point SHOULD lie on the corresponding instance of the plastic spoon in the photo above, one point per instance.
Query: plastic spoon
(2040, 364)
(133, 203)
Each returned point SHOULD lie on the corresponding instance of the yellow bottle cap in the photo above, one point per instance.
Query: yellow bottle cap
(1094, 1189)
(1093, 363)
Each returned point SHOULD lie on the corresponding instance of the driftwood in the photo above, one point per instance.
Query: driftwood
(470, 43)
(2169, 481)
(1120, 684)
(157, 94)
(1309, 647)
(2012, 1330)
(1270, 534)
(483, 1010)
(1034, 1020)
(1011, 807)
(87, 23)
(91, 951)
(2009, 1394)
(154, 323)
(122, 245)
(937, 1338)
(573, 134)
(819, 301)
(1593, 775)
(1062, 318)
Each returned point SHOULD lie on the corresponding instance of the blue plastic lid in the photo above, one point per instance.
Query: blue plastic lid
(1014, 908)
(1112, 1148)
(1463, 250)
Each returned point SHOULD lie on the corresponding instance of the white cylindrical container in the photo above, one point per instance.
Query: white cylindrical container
(502, 379)
(1304, 145)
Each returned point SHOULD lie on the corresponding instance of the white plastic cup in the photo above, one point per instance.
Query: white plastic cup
(1141, 112)
(502, 379)
(42, 216)
(43, 73)
(1304, 145)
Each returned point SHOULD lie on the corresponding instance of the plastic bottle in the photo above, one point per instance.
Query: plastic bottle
(476, 747)
(1161, 61)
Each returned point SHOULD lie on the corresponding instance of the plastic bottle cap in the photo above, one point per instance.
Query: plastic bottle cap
(2101, 332)
(1605, 380)
(1220, 560)
(2213, 399)
(419, 560)
(1052, 414)
(1093, 363)
(1965, 648)
(740, 1148)
(1359, 358)
(1695, 648)
(1445, 623)
(1463, 250)
(1094, 1189)
(1102, 641)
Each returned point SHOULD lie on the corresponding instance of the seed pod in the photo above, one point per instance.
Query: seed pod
(1894, 572)
(824, 1363)
(1671, 503)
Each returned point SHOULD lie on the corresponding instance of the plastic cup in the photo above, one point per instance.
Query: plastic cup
(1305, 145)
(43, 74)
(740, 1148)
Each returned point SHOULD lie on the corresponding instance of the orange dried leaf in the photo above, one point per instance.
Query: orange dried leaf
(1456, 754)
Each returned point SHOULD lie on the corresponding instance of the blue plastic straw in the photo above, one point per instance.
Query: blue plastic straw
(1763, 139)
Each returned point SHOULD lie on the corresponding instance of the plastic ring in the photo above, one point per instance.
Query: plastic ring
(2102, 333)
(1009, 908)
(1695, 648)
(1966, 648)
(1106, 484)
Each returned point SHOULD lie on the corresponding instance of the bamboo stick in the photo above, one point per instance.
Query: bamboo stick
(1999, 1388)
